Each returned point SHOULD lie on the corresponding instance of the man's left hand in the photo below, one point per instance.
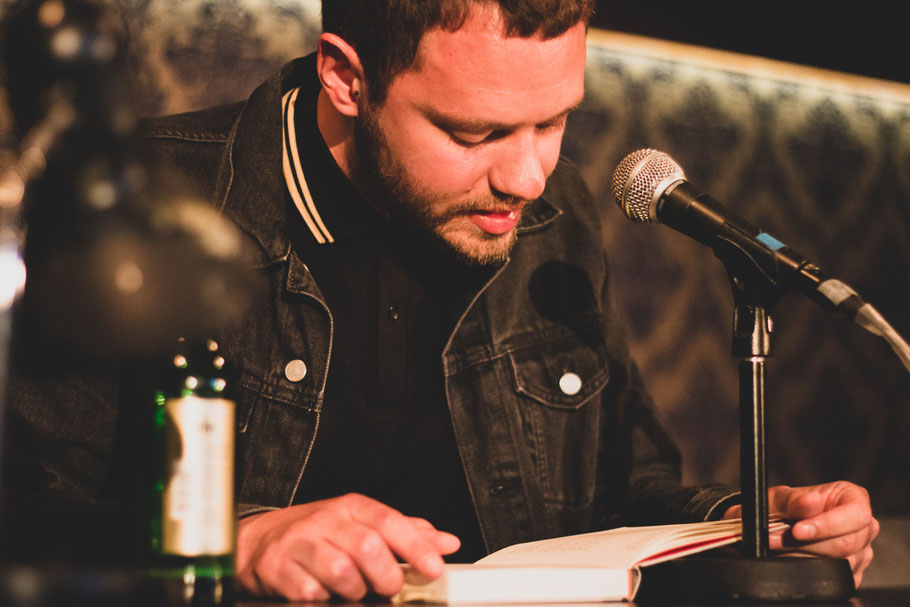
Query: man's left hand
(834, 519)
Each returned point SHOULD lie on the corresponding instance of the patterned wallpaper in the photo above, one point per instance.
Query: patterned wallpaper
(200, 53)
(822, 163)
(825, 166)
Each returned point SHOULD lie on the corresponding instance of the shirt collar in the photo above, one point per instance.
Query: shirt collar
(330, 206)
(293, 172)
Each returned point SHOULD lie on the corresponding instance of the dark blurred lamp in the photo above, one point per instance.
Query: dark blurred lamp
(136, 280)
(118, 262)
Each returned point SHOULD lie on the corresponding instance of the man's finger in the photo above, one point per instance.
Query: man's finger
(831, 524)
(294, 583)
(400, 533)
(824, 511)
(371, 553)
(445, 543)
(840, 520)
(422, 523)
(796, 503)
(864, 561)
(333, 568)
(279, 576)
(842, 546)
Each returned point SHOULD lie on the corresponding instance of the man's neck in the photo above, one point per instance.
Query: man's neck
(338, 132)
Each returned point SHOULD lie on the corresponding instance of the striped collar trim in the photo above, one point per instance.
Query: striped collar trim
(293, 173)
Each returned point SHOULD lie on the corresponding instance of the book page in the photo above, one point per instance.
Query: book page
(621, 548)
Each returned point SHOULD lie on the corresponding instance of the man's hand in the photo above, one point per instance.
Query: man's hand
(834, 519)
(341, 546)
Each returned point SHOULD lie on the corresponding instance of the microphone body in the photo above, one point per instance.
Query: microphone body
(702, 218)
(650, 186)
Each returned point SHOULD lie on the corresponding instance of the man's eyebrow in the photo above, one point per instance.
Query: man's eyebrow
(471, 125)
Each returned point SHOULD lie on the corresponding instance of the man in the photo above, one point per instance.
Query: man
(433, 349)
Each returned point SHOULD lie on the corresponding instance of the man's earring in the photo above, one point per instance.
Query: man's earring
(357, 93)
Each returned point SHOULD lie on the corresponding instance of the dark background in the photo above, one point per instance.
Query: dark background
(866, 38)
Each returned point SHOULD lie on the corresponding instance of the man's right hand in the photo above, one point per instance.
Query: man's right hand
(342, 546)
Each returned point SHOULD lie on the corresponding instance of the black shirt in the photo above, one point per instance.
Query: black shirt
(385, 429)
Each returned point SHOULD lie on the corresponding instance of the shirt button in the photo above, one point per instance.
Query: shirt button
(295, 370)
(393, 313)
(570, 384)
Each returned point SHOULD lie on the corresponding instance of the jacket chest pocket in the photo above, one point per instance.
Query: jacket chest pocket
(274, 440)
(559, 386)
(563, 373)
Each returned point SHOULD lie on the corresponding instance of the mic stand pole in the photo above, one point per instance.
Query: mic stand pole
(751, 345)
(755, 576)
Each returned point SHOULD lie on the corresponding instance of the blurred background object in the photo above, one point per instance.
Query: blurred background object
(119, 259)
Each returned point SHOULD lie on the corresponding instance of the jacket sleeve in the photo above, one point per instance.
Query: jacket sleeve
(65, 495)
(656, 494)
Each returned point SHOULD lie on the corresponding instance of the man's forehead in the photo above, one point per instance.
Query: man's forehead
(478, 65)
(484, 24)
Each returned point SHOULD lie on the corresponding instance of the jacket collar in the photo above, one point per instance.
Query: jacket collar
(252, 187)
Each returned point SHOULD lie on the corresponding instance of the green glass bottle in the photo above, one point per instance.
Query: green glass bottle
(193, 524)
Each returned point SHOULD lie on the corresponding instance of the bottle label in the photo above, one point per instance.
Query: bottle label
(198, 500)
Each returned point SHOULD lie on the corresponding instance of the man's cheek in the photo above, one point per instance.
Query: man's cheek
(550, 157)
(445, 173)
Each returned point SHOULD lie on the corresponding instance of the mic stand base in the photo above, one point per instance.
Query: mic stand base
(736, 579)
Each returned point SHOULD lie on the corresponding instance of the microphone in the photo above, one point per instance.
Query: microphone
(649, 186)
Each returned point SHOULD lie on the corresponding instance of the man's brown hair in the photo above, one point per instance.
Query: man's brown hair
(387, 33)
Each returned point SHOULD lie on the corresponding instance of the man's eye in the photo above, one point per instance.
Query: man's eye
(472, 139)
(557, 125)
(469, 139)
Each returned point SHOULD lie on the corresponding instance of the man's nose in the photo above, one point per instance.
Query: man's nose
(517, 169)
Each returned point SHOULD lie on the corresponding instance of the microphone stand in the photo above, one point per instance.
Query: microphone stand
(752, 328)
(755, 575)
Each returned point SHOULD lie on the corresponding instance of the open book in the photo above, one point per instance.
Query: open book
(591, 567)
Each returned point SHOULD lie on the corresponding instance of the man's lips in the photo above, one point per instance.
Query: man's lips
(496, 222)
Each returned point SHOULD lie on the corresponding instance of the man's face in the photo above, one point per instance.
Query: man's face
(470, 132)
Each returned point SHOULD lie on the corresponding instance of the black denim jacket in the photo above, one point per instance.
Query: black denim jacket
(541, 458)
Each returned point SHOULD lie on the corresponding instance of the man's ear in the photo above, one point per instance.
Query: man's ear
(340, 73)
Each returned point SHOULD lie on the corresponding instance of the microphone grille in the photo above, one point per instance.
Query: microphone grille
(640, 180)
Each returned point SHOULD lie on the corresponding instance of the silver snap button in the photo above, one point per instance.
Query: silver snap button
(570, 384)
(295, 370)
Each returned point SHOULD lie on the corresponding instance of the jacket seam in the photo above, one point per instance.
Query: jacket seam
(187, 136)
(484, 353)
(273, 392)
(725, 500)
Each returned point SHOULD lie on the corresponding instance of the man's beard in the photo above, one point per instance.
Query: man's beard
(385, 182)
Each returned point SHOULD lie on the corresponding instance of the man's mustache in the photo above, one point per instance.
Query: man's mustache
(487, 204)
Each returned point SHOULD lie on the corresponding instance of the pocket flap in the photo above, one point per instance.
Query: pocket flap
(563, 373)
